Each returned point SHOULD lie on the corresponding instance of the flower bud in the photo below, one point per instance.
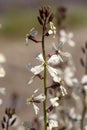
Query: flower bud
(51, 17)
(40, 20)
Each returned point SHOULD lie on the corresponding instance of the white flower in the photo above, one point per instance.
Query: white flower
(39, 68)
(36, 99)
(59, 52)
(52, 124)
(52, 30)
(2, 90)
(54, 101)
(31, 35)
(67, 38)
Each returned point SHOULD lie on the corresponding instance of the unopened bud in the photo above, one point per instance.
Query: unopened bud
(40, 20)
(51, 18)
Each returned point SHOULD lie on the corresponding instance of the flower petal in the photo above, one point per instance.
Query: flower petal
(37, 69)
(53, 124)
(40, 97)
(55, 59)
(54, 72)
(36, 109)
(39, 57)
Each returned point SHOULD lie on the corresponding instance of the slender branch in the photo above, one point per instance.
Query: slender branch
(45, 88)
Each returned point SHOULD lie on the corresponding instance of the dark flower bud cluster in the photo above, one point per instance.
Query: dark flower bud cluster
(45, 16)
(9, 118)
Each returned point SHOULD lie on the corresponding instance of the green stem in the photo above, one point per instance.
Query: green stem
(45, 75)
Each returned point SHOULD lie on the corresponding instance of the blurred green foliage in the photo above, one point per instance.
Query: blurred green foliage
(19, 22)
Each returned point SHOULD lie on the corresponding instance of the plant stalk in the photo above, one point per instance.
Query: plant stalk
(45, 76)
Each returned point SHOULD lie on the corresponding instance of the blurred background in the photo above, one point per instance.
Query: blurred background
(17, 17)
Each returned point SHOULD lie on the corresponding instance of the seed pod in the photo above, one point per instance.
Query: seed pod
(82, 62)
(41, 13)
(51, 18)
(3, 125)
(47, 11)
(13, 121)
(83, 50)
(40, 20)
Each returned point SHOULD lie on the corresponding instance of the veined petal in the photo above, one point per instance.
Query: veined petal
(55, 59)
(40, 97)
(39, 57)
(2, 72)
(53, 124)
(36, 109)
(53, 72)
(37, 69)
(2, 90)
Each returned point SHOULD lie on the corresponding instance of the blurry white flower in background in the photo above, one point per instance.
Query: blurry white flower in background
(67, 38)
(2, 60)
(36, 99)
(59, 52)
(68, 76)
